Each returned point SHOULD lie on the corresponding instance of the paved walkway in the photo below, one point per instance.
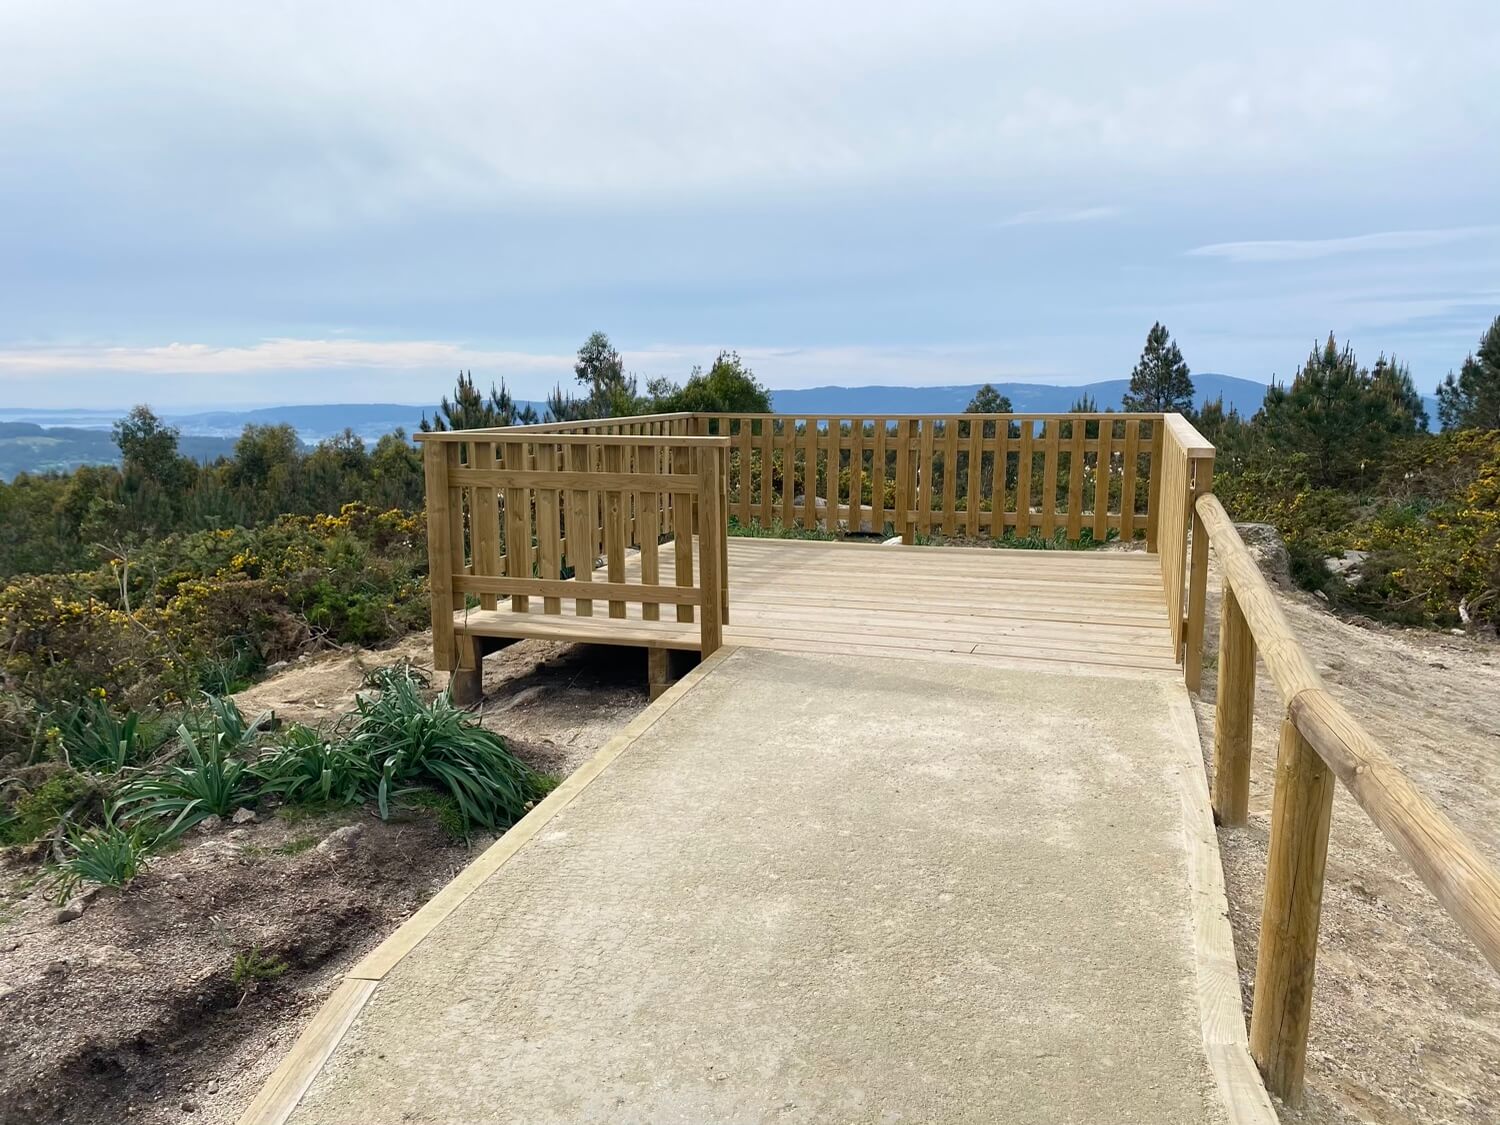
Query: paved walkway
(820, 889)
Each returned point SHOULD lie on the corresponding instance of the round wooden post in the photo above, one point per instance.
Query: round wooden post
(1234, 713)
(1300, 813)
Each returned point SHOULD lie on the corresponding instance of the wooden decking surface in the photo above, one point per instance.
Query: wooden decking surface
(1057, 609)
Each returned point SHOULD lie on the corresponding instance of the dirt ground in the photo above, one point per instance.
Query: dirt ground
(1406, 1014)
(130, 1013)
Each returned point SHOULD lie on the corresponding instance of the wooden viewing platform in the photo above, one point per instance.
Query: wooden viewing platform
(924, 835)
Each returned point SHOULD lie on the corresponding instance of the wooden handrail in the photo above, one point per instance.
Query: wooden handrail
(1320, 741)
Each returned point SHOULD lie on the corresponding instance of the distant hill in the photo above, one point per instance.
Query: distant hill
(312, 423)
(1244, 395)
(26, 447)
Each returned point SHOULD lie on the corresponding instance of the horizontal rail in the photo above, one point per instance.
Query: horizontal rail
(570, 588)
(1446, 860)
(604, 482)
(1320, 741)
(669, 441)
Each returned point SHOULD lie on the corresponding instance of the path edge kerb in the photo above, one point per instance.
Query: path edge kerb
(1221, 1012)
(274, 1104)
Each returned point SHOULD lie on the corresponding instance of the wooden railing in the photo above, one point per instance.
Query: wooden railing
(1320, 741)
(1078, 477)
(516, 512)
(1185, 472)
(949, 475)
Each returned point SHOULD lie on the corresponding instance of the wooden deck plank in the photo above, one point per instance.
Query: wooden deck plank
(1100, 610)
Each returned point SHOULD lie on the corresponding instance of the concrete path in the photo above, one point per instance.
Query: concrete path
(820, 889)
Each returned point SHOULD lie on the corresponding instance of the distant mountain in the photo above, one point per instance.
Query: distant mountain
(1244, 395)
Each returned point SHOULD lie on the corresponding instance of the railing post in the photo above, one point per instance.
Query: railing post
(1192, 661)
(1300, 814)
(439, 555)
(1233, 713)
(904, 525)
(710, 563)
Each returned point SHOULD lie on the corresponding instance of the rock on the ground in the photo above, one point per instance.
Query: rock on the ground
(243, 816)
(341, 842)
(69, 911)
(209, 824)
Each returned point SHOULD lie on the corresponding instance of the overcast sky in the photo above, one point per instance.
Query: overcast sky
(248, 203)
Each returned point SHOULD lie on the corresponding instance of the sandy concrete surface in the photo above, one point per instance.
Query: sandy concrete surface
(822, 890)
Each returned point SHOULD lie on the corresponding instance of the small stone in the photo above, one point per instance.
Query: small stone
(189, 1106)
(213, 1086)
(243, 816)
(210, 824)
(70, 911)
(278, 666)
(237, 835)
(55, 968)
(342, 841)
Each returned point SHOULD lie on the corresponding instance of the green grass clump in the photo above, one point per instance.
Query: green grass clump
(251, 967)
(108, 856)
(90, 736)
(416, 745)
(212, 783)
(307, 768)
(777, 530)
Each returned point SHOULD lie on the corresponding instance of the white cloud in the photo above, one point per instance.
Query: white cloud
(530, 374)
(1046, 215)
(1304, 250)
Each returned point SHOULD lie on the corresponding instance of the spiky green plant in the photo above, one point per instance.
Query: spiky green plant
(212, 783)
(90, 736)
(109, 856)
(307, 768)
(416, 745)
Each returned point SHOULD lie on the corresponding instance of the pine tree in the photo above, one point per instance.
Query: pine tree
(1472, 400)
(470, 410)
(1392, 379)
(987, 400)
(1337, 416)
(1161, 382)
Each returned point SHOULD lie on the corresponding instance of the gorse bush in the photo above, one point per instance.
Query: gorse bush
(417, 745)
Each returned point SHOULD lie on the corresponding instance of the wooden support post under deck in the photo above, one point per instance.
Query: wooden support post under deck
(1300, 814)
(710, 545)
(439, 557)
(1234, 713)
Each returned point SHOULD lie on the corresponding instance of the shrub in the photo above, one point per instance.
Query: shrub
(109, 856)
(309, 769)
(213, 783)
(416, 745)
(40, 810)
(90, 736)
(251, 967)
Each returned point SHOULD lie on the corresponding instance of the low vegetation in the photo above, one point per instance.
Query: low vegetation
(98, 821)
(135, 599)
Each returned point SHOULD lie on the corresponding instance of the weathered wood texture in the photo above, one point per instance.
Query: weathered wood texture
(1320, 741)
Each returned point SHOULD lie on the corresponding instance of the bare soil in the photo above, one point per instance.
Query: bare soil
(1406, 1014)
(130, 1013)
